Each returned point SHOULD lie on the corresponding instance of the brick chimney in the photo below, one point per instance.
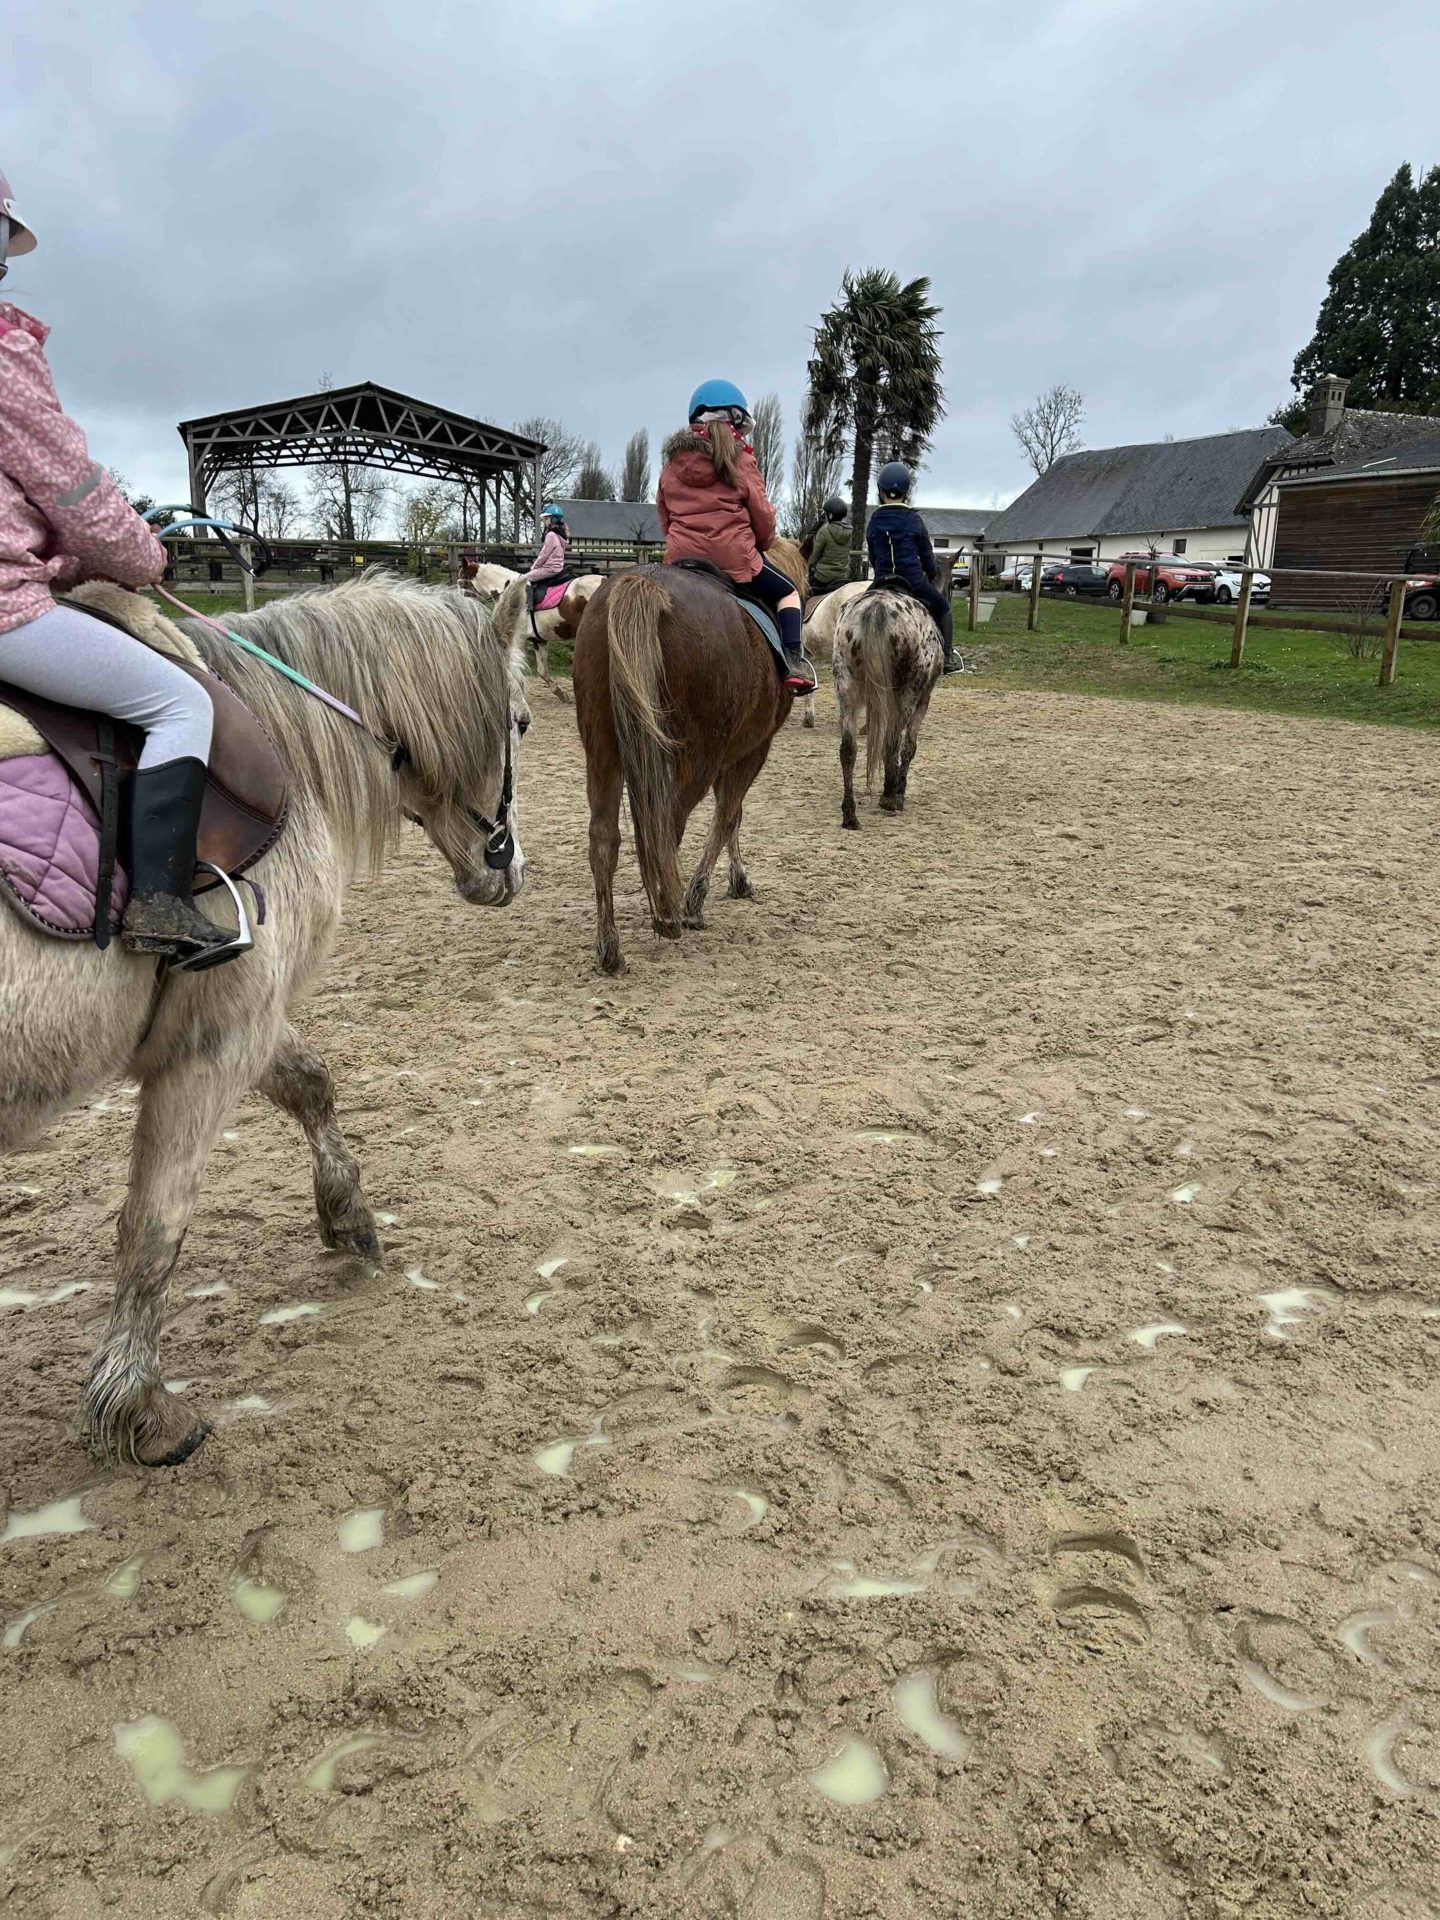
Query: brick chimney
(1326, 404)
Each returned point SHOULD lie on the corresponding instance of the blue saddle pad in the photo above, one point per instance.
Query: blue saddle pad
(765, 622)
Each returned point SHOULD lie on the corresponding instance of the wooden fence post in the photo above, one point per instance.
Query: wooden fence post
(1242, 616)
(975, 569)
(1032, 619)
(1392, 633)
(247, 577)
(1127, 604)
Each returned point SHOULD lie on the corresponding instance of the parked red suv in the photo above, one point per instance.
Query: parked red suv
(1174, 579)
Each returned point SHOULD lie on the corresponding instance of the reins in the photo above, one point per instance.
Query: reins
(499, 839)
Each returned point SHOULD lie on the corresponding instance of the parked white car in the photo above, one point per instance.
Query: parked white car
(1227, 585)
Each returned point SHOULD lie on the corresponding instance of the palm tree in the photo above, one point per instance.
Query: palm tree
(875, 378)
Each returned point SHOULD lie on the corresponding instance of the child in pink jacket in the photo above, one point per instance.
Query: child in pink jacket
(549, 563)
(62, 520)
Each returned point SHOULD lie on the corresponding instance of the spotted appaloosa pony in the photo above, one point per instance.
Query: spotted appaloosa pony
(888, 657)
(441, 700)
(821, 624)
(676, 693)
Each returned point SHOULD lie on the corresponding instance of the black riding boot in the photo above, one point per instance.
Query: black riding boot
(164, 823)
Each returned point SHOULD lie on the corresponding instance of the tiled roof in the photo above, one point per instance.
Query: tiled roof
(1158, 487)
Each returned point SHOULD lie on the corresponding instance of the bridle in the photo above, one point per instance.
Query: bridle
(499, 835)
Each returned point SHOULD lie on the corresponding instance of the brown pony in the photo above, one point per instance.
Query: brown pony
(676, 693)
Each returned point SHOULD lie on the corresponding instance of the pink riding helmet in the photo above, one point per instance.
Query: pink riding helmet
(22, 239)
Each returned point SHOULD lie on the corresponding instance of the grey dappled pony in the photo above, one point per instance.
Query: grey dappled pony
(888, 657)
(440, 696)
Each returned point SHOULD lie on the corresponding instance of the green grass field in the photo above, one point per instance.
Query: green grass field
(1077, 650)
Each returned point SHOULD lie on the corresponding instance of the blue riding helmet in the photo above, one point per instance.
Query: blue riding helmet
(895, 480)
(718, 396)
(552, 512)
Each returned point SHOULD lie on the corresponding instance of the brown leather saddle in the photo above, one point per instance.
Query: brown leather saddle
(246, 799)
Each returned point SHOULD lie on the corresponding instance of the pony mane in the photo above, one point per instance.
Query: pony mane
(786, 555)
(421, 665)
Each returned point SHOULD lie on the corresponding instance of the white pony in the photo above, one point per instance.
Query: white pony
(443, 707)
(820, 629)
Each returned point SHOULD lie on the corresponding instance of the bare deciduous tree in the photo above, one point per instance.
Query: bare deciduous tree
(558, 464)
(635, 473)
(1050, 427)
(279, 510)
(594, 480)
(768, 440)
(814, 476)
(429, 514)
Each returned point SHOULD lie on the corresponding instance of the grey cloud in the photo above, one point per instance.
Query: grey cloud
(583, 209)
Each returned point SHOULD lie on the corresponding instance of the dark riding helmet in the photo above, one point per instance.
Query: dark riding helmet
(895, 480)
(836, 508)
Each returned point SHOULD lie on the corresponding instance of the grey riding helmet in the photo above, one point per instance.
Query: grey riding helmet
(15, 236)
(836, 508)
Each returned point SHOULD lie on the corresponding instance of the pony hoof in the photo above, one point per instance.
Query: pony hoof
(694, 922)
(608, 960)
(359, 1238)
(809, 719)
(667, 929)
(740, 889)
(181, 1452)
(890, 804)
(850, 826)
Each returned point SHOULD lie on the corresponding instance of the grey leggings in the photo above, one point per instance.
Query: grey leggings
(67, 656)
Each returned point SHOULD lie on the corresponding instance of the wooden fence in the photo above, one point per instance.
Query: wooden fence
(1130, 598)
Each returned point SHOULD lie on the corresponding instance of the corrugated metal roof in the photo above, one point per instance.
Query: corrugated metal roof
(1157, 487)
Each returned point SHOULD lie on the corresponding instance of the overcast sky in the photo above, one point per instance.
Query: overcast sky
(583, 207)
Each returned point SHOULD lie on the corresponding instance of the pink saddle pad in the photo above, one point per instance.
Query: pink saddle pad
(50, 847)
(552, 596)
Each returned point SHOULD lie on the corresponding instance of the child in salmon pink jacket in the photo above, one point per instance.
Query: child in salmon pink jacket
(63, 520)
(713, 506)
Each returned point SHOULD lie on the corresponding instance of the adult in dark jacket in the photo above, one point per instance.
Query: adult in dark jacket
(830, 548)
(900, 548)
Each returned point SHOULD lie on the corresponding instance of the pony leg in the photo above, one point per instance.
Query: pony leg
(848, 816)
(126, 1410)
(299, 1083)
(605, 789)
(722, 830)
(809, 720)
(736, 784)
(892, 799)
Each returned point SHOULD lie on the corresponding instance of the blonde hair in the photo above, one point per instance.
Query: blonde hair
(724, 449)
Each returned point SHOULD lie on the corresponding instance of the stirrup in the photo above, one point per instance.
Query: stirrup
(231, 949)
(795, 680)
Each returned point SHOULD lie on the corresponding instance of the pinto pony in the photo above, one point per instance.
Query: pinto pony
(514, 625)
(676, 694)
(887, 659)
(443, 705)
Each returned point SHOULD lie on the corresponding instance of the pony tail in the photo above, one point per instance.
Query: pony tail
(724, 450)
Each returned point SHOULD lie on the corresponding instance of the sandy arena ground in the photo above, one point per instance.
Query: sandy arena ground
(958, 1336)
